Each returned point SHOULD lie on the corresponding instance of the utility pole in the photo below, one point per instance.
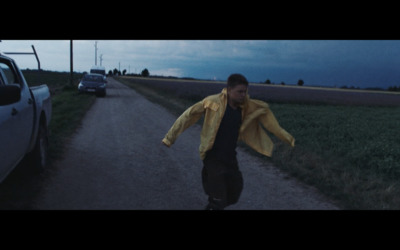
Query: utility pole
(101, 59)
(95, 53)
(71, 81)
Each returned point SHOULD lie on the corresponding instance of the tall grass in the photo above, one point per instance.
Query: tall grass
(69, 107)
(350, 153)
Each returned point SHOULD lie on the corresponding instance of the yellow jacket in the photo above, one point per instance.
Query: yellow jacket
(254, 113)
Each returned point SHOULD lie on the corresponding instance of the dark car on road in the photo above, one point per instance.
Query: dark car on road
(93, 83)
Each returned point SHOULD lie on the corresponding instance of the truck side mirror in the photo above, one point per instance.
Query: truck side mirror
(9, 94)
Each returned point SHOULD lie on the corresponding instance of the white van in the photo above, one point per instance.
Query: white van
(98, 70)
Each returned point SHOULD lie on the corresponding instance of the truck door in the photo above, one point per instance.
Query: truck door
(16, 122)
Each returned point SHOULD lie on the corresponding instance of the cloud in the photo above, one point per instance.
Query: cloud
(177, 72)
(331, 61)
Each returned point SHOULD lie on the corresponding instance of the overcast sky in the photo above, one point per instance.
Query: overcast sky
(359, 63)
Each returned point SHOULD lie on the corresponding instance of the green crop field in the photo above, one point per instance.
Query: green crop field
(350, 153)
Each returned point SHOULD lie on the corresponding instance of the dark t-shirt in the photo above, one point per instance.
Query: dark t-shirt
(224, 147)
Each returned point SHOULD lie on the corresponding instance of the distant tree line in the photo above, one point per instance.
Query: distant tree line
(117, 72)
(394, 88)
(352, 87)
(299, 82)
(391, 88)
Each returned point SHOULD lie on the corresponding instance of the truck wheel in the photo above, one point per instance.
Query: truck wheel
(39, 153)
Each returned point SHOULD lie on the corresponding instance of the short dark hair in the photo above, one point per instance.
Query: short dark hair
(236, 79)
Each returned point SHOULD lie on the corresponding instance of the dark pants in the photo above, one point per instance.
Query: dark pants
(222, 182)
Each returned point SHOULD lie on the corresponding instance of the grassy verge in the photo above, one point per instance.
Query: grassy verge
(68, 107)
(350, 153)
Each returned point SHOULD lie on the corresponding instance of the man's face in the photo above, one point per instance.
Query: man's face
(237, 94)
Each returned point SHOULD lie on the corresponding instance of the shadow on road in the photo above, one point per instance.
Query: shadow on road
(19, 190)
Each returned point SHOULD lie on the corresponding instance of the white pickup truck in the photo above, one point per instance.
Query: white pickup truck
(25, 113)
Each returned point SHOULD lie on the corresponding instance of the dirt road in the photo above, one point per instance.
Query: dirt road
(116, 161)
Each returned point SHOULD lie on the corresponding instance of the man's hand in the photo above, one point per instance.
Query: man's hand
(163, 143)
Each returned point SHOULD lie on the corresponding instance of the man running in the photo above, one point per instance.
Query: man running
(228, 117)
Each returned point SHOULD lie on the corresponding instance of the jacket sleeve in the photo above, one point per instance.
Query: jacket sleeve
(187, 119)
(269, 121)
